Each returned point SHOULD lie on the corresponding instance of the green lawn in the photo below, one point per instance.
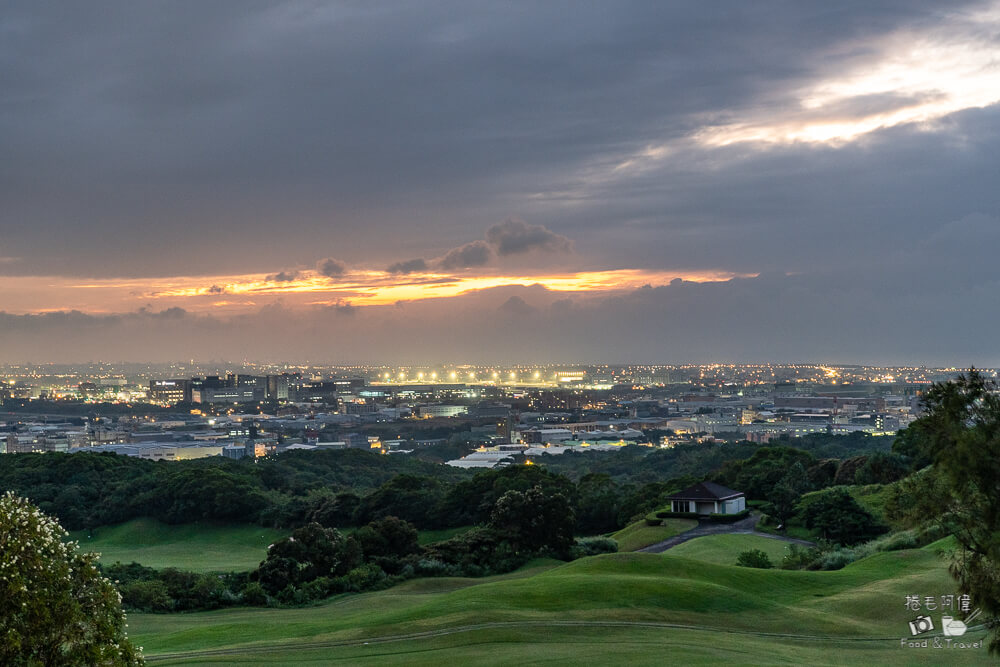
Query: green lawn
(638, 535)
(723, 549)
(617, 608)
(431, 536)
(197, 547)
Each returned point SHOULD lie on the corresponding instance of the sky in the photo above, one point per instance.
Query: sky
(522, 182)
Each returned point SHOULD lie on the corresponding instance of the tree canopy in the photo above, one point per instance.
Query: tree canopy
(959, 435)
(55, 608)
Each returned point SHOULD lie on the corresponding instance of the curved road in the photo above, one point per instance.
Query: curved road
(747, 526)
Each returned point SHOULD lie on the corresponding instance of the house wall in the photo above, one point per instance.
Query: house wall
(706, 507)
(734, 506)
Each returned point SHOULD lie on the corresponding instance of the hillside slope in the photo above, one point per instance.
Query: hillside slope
(619, 606)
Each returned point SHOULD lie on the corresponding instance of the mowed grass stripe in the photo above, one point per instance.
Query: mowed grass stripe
(583, 643)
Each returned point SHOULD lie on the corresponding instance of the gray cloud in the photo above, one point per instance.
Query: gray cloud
(516, 306)
(476, 253)
(344, 308)
(408, 266)
(331, 268)
(284, 276)
(514, 236)
(511, 237)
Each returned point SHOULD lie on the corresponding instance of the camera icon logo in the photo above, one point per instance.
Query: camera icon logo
(920, 625)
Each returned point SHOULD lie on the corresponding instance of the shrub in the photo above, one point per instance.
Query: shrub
(592, 546)
(898, 541)
(150, 595)
(799, 558)
(667, 514)
(364, 577)
(431, 567)
(253, 594)
(837, 559)
(754, 558)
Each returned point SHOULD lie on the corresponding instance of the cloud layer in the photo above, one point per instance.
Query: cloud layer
(245, 156)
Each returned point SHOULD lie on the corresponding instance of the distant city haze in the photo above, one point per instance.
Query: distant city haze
(454, 182)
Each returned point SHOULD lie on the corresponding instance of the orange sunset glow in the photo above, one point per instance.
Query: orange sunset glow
(359, 288)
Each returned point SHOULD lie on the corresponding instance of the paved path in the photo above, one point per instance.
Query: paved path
(747, 526)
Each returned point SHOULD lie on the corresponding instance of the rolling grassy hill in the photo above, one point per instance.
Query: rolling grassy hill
(627, 607)
(724, 549)
(638, 535)
(196, 547)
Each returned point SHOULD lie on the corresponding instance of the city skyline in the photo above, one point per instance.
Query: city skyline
(547, 183)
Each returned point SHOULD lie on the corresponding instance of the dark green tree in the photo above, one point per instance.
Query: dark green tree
(308, 553)
(472, 501)
(335, 511)
(960, 436)
(839, 518)
(881, 468)
(784, 497)
(534, 521)
(387, 541)
(414, 498)
(597, 504)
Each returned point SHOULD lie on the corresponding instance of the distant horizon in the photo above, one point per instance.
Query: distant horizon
(505, 364)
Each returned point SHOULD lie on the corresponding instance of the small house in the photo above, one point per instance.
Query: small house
(708, 498)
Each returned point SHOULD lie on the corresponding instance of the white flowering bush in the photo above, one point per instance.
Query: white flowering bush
(55, 607)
